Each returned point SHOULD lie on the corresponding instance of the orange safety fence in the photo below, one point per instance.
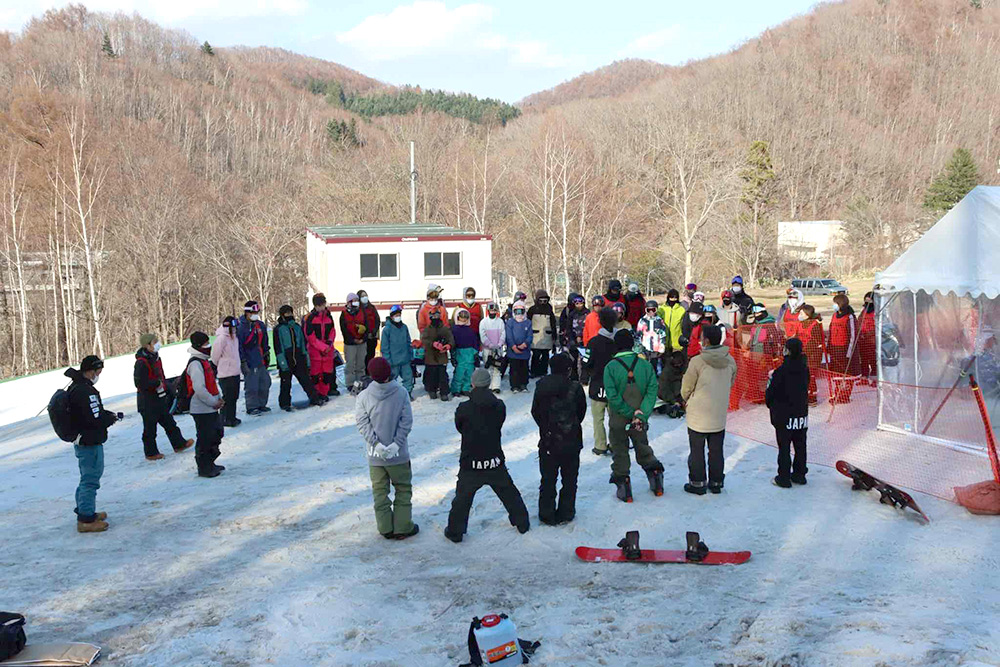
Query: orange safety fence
(933, 438)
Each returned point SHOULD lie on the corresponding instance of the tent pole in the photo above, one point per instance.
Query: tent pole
(916, 367)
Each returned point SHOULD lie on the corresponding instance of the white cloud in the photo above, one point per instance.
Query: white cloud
(652, 44)
(428, 27)
(168, 12)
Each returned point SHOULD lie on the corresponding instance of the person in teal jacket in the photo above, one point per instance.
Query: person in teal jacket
(292, 355)
(397, 348)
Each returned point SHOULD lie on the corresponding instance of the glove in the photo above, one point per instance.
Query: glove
(245, 369)
(120, 416)
(379, 450)
(392, 451)
(438, 346)
(362, 329)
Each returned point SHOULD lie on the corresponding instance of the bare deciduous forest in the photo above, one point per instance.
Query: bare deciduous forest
(155, 185)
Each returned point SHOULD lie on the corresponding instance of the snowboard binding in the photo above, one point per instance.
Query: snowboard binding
(696, 549)
(623, 488)
(630, 545)
(675, 411)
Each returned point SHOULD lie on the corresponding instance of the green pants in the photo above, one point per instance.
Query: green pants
(597, 411)
(619, 436)
(394, 516)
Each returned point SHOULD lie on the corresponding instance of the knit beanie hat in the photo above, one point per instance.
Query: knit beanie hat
(147, 338)
(624, 340)
(91, 362)
(199, 339)
(379, 370)
(560, 364)
(794, 347)
(608, 317)
(480, 378)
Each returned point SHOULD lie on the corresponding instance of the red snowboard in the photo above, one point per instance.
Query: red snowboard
(592, 555)
(889, 495)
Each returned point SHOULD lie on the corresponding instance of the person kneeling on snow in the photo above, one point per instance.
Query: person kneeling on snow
(705, 389)
(91, 421)
(787, 397)
(630, 385)
(482, 463)
(559, 408)
(384, 418)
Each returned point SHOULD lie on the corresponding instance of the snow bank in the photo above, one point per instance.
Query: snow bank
(278, 561)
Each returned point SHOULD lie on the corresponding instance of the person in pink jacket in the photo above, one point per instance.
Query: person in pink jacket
(226, 357)
(320, 337)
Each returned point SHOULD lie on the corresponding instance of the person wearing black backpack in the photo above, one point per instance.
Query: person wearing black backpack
(91, 421)
(153, 399)
(559, 408)
(206, 401)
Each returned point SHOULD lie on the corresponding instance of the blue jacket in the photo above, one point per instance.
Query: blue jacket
(255, 351)
(396, 344)
(518, 333)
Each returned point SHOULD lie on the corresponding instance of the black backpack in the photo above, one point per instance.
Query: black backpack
(562, 424)
(12, 639)
(61, 415)
(179, 388)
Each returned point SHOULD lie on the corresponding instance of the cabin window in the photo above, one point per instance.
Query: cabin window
(379, 266)
(442, 264)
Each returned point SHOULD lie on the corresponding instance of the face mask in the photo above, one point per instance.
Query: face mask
(791, 303)
(803, 317)
(255, 318)
(836, 307)
(493, 316)
(289, 318)
(694, 317)
(614, 294)
(355, 304)
(519, 316)
(364, 300)
(397, 318)
(433, 302)
(672, 302)
(96, 378)
(156, 347)
(470, 299)
(737, 289)
(726, 302)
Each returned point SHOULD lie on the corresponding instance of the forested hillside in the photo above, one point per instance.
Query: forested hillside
(156, 185)
(618, 78)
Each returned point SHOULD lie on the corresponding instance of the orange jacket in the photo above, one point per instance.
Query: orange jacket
(424, 314)
(591, 326)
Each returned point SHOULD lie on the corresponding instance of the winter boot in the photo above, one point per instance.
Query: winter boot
(623, 488)
(715, 487)
(655, 481)
(188, 444)
(630, 545)
(433, 395)
(696, 549)
(95, 526)
(697, 488)
(445, 396)
(452, 536)
(288, 408)
(155, 457)
(414, 531)
(782, 482)
(799, 479)
(209, 473)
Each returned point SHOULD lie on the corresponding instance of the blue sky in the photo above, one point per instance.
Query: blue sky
(505, 50)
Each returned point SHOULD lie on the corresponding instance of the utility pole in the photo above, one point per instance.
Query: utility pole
(413, 183)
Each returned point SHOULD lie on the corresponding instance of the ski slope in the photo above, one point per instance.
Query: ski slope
(278, 561)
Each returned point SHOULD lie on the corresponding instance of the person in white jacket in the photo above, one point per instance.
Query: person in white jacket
(493, 337)
(206, 401)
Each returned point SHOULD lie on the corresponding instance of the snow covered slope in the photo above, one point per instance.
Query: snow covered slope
(278, 562)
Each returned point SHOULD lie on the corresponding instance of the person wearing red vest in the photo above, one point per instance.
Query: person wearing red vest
(635, 305)
(866, 338)
(353, 330)
(788, 314)
(372, 323)
(206, 401)
(810, 332)
(474, 309)
(153, 399)
(843, 338)
(320, 337)
(433, 302)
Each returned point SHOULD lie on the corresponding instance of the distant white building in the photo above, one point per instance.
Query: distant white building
(810, 240)
(395, 263)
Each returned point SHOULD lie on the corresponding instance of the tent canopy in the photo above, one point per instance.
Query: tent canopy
(960, 253)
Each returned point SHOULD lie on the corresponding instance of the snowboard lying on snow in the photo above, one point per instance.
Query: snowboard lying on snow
(890, 495)
(628, 551)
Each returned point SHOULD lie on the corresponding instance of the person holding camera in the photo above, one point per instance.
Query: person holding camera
(630, 385)
(91, 421)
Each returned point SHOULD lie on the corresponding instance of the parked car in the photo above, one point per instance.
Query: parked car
(823, 286)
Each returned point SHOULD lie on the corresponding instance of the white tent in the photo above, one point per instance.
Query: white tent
(937, 312)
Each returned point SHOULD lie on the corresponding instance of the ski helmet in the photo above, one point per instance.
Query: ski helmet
(395, 309)
(633, 288)
(737, 280)
(598, 301)
(652, 305)
(620, 307)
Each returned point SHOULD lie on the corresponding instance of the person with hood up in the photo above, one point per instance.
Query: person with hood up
(354, 331)
(673, 315)
(842, 338)
(866, 339)
(543, 333)
(742, 300)
(397, 348)
(788, 314)
(321, 336)
(480, 421)
(787, 399)
(692, 329)
(614, 292)
(437, 341)
(507, 315)
(385, 418)
(652, 335)
(91, 421)
(373, 321)
(292, 355)
(689, 291)
(153, 399)
(432, 303)
(635, 304)
(463, 355)
(206, 401)
(592, 324)
(493, 338)
(558, 407)
(600, 351)
(729, 313)
(519, 337)
(810, 332)
(705, 389)
(630, 385)
(255, 357)
(474, 309)
(226, 357)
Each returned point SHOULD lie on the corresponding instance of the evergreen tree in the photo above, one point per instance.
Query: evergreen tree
(106, 47)
(207, 49)
(960, 175)
(754, 233)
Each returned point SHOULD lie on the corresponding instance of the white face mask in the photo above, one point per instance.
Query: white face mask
(803, 317)
(737, 289)
(96, 378)
(397, 318)
(519, 316)
(255, 318)
(156, 347)
(791, 302)
(355, 304)
(694, 317)
(364, 300)
(470, 300)
(836, 307)
(433, 302)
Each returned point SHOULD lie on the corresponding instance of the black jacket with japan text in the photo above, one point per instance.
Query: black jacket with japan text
(480, 421)
(87, 412)
(788, 394)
